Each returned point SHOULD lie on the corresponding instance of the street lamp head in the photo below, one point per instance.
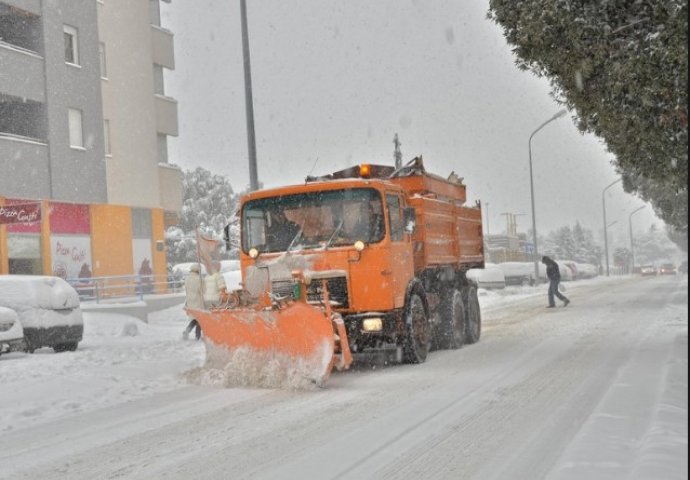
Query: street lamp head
(560, 114)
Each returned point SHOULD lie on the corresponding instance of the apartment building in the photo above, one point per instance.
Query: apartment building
(84, 122)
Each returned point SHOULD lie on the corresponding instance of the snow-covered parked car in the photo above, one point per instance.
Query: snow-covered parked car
(491, 276)
(586, 270)
(11, 332)
(518, 273)
(229, 266)
(48, 309)
(232, 279)
(567, 273)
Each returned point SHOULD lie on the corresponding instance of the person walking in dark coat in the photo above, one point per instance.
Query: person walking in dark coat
(554, 274)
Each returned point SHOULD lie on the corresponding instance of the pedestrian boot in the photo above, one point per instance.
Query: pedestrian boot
(566, 302)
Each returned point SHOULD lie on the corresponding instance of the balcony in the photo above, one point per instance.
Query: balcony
(170, 180)
(163, 48)
(24, 162)
(166, 115)
(18, 63)
(33, 6)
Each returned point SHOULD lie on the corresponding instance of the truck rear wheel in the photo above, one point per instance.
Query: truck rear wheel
(473, 328)
(418, 331)
(452, 331)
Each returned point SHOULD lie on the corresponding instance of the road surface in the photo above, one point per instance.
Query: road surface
(594, 390)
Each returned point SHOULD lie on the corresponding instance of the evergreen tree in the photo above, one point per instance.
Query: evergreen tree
(622, 66)
(576, 244)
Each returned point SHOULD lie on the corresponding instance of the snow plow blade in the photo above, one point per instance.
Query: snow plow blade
(291, 344)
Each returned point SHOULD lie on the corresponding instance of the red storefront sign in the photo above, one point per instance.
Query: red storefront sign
(20, 213)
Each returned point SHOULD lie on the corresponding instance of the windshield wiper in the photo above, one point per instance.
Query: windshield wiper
(335, 232)
(297, 237)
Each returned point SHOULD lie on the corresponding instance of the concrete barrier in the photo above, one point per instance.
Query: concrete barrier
(136, 307)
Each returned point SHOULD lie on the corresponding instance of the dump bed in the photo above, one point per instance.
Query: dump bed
(448, 232)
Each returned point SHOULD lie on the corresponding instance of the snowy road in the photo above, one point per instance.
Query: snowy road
(595, 390)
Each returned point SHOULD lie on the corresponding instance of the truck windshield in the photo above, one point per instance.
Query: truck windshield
(312, 220)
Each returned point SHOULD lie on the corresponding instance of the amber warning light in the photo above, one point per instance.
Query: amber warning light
(365, 170)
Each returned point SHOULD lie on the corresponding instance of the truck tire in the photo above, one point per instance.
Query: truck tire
(452, 332)
(417, 339)
(65, 347)
(473, 328)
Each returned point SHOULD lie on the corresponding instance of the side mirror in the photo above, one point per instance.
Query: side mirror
(226, 236)
(409, 220)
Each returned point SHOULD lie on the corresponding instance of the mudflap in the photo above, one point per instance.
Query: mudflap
(295, 339)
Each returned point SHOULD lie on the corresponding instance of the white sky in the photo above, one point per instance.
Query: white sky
(334, 81)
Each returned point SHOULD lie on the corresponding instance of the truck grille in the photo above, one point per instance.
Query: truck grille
(337, 290)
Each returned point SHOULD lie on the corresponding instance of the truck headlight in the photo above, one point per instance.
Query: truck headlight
(372, 324)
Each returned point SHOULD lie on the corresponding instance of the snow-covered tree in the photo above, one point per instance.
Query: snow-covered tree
(653, 247)
(575, 244)
(622, 258)
(622, 67)
(208, 204)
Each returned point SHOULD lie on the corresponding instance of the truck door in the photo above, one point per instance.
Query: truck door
(401, 261)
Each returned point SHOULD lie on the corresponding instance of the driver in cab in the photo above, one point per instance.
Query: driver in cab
(279, 230)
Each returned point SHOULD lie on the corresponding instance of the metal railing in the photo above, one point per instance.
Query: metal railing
(125, 286)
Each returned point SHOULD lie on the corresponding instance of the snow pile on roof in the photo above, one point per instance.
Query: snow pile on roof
(40, 301)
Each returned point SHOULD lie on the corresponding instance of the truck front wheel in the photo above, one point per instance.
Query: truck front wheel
(417, 330)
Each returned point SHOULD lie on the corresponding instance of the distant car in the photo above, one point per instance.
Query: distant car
(567, 271)
(647, 270)
(667, 269)
(518, 273)
(489, 277)
(182, 269)
(586, 270)
(233, 280)
(11, 332)
(48, 310)
(229, 266)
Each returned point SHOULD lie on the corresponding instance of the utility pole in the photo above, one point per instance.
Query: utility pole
(249, 103)
(397, 154)
(606, 236)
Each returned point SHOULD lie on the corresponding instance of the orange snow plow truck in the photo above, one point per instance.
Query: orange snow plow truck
(367, 259)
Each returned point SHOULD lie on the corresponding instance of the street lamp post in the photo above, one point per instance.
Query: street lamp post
(531, 188)
(249, 103)
(632, 245)
(606, 237)
(609, 226)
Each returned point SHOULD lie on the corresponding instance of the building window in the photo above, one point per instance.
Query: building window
(76, 134)
(71, 45)
(395, 218)
(162, 148)
(158, 80)
(106, 136)
(101, 53)
(155, 12)
(141, 223)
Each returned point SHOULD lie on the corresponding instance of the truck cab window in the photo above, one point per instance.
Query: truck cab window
(395, 217)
